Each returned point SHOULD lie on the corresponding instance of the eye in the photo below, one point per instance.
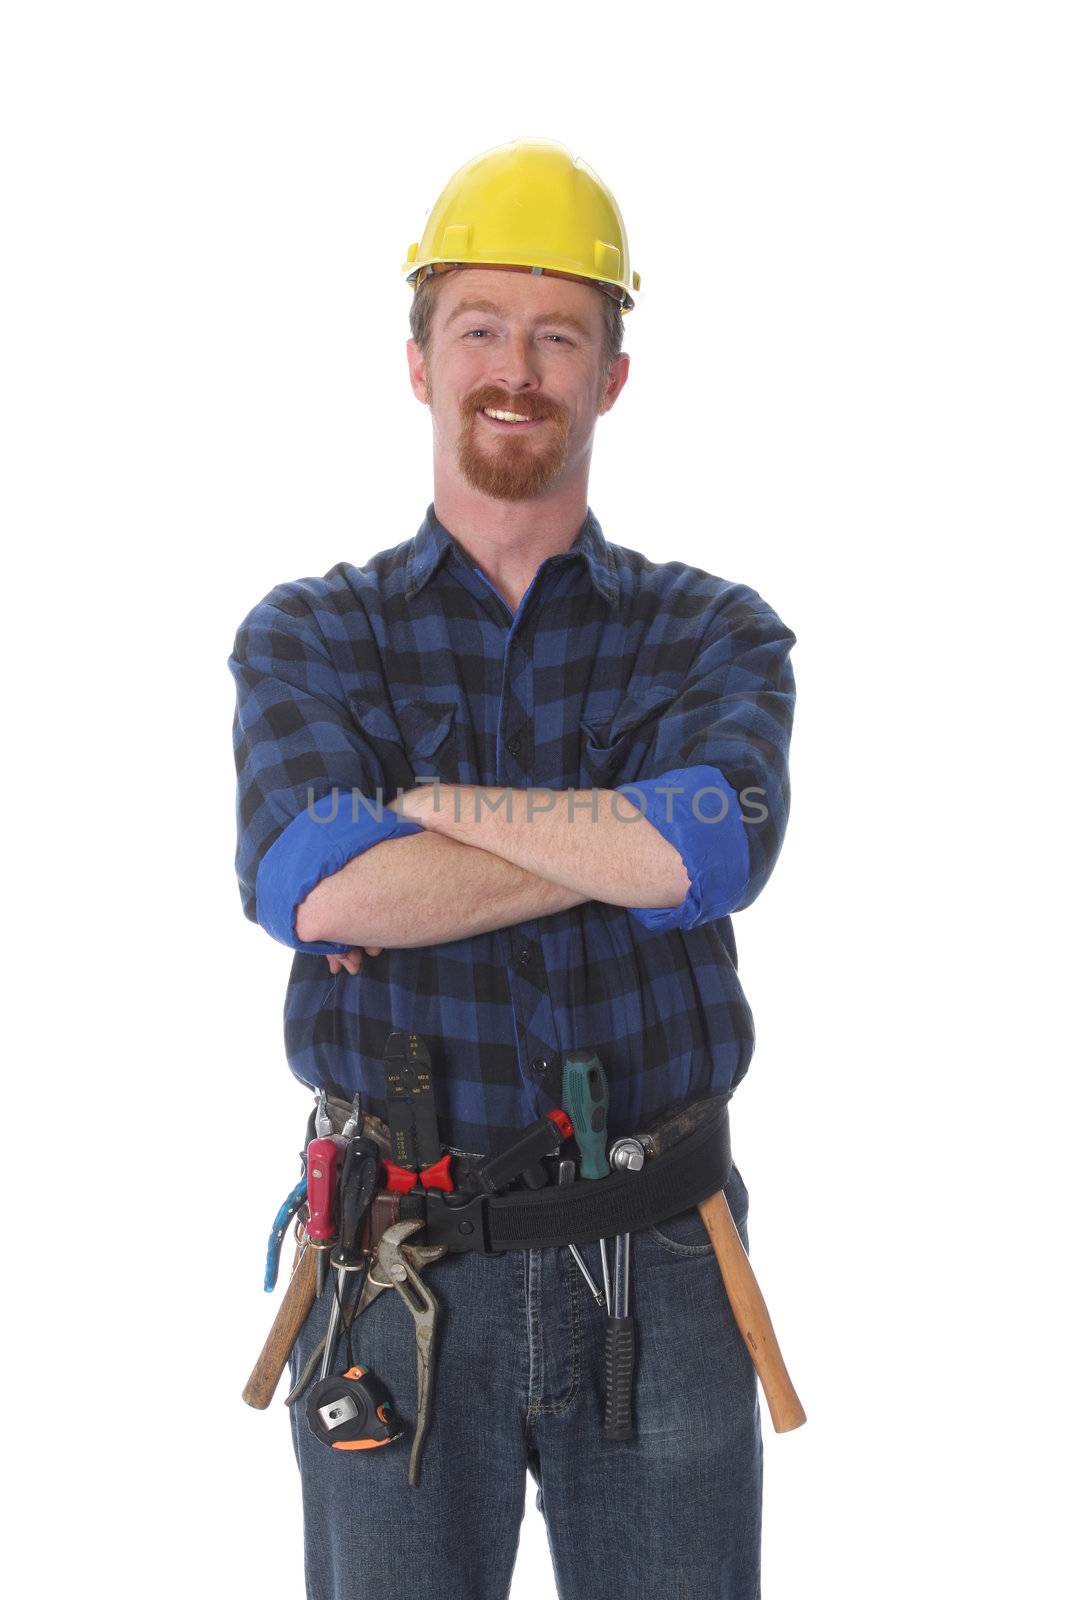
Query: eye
(472, 331)
(561, 337)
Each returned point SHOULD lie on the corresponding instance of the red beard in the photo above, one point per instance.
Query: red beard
(519, 468)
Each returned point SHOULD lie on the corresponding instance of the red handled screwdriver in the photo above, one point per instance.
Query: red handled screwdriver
(324, 1156)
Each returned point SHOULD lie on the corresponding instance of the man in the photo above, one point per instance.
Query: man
(608, 741)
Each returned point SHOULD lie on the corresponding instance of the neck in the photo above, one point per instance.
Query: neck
(510, 539)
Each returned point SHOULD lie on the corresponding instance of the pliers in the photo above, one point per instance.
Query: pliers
(397, 1267)
(290, 1206)
(417, 1255)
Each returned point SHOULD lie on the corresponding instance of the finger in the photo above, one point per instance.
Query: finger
(372, 950)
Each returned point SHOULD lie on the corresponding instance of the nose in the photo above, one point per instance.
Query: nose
(516, 368)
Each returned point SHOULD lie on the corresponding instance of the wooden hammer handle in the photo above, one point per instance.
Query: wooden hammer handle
(751, 1314)
(298, 1301)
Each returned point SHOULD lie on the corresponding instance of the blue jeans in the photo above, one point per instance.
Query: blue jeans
(674, 1511)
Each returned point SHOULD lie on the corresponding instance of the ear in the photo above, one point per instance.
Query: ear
(614, 383)
(417, 373)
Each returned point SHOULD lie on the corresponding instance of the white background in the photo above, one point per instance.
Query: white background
(847, 390)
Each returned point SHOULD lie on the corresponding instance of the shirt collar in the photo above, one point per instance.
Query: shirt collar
(433, 543)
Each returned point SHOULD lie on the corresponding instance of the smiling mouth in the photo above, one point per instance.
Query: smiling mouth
(516, 421)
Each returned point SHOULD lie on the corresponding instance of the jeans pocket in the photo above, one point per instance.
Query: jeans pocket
(685, 1233)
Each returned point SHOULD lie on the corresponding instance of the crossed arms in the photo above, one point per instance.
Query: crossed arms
(447, 861)
(473, 869)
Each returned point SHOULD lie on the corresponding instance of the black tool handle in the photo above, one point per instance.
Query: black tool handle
(359, 1178)
(619, 1380)
(541, 1138)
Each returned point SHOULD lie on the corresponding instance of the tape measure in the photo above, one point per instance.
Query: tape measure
(352, 1412)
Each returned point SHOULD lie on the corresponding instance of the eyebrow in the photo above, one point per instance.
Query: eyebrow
(564, 318)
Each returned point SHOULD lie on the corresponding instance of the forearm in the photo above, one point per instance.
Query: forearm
(426, 889)
(595, 842)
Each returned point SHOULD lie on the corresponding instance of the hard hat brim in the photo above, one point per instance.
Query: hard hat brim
(435, 268)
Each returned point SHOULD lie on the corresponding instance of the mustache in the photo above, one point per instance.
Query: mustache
(534, 406)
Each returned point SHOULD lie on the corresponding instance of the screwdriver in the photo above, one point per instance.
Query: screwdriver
(359, 1178)
(323, 1163)
(565, 1176)
(585, 1100)
(325, 1156)
(627, 1155)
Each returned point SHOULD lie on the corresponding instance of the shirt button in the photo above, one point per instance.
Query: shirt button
(523, 956)
(539, 1068)
(514, 746)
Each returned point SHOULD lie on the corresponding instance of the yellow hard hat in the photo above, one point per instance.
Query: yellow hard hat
(532, 206)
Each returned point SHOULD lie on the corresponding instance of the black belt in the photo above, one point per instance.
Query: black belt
(677, 1177)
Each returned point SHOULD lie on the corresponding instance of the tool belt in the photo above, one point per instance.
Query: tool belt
(693, 1160)
(525, 1197)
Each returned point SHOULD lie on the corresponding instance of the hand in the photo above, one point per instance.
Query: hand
(418, 804)
(352, 960)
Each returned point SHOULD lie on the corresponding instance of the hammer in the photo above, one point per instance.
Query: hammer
(743, 1292)
(751, 1314)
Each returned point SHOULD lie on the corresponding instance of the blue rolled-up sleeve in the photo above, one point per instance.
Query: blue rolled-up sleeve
(316, 844)
(696, 811)
(722, 741)
(310, 785)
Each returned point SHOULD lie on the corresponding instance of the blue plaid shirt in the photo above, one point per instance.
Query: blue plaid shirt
(615, 672)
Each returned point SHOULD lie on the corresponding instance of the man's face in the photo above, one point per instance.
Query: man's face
(530, 347)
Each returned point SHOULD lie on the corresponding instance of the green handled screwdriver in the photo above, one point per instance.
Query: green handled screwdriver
(585, 1100)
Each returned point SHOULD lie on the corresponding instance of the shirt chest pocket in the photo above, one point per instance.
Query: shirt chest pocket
(612, 751)
(413, 738)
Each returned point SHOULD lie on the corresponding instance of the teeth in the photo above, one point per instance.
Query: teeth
(505, 416)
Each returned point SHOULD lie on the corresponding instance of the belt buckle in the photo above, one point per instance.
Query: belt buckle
(458, 1222)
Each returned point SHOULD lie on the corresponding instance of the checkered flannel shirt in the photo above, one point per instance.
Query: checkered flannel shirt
(615, 672)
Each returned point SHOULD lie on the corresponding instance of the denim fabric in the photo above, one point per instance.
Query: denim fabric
(675, 1511)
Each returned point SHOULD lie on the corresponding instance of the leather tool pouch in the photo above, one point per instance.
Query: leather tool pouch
(383, 1211)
